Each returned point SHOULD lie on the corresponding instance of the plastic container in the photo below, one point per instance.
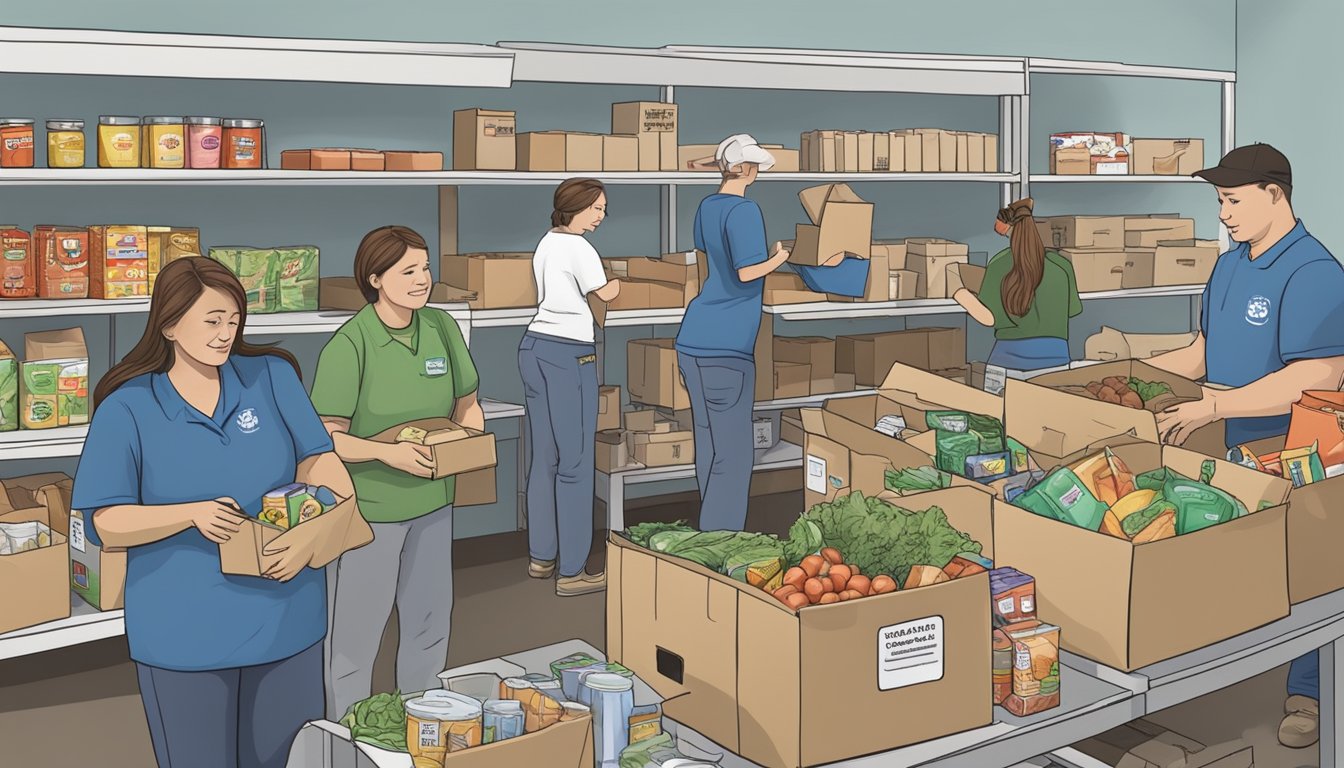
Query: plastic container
(16, 142)
(163, 143)
(502, 720)
(243, 143)
(65, 144)
(205, 139)
(118, 142)
(442, 722)
(613, 700)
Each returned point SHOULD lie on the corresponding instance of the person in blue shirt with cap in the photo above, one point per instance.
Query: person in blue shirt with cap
(1271, 326)
(189, 431)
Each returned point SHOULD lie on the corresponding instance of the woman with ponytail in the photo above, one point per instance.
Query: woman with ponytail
(1028, 296)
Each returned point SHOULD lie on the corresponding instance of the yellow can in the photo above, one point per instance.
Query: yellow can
(65, 143)
(118, 142)
(440, 723)
(163, 143)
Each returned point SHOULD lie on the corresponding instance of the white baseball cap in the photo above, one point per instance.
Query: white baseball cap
(742, 148)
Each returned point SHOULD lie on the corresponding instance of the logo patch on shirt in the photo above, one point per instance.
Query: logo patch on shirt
(1257, 310)
(436, 366)
(248, 421)
(587, 359)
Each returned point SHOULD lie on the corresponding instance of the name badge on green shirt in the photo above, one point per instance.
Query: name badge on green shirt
(436, 366)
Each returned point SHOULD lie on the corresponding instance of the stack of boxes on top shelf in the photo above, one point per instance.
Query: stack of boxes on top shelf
(914, 150)
(1088, 153)
(1111, 253)
(643, 138)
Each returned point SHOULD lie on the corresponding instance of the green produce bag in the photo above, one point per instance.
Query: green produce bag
(1198, 504)
(1062, 496)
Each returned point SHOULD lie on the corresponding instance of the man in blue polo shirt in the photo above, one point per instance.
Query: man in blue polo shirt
(1271, 326)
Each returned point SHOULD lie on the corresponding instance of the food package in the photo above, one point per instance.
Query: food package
(1163, 526)
(1012, 596)
(62, 256)
(255, 268)
(118, 262)
(1063, 496)
(290, 505)
(1302, 465)
(16, 538)
(1106, 476)
(1002, 666)
(1035, 669)
(166, 245)
(297, 276)
(9, 389)
(962, 566)
(1318, 417)
(1197, 504)
(55, 379)
(18, 265)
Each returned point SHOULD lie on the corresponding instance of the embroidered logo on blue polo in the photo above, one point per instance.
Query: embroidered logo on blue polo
(1257, 310)
(436, 366)
(248, 421)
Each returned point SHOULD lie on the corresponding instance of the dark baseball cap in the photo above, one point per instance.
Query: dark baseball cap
(1250, 165)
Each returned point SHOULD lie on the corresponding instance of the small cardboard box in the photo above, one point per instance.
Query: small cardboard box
(663, 449)
(331, 534)
(62, 256)
(611, 451)
(54, 379)
(791, 428)
(669, 621)
(1107, 153)
(1103, 269)
(1071, 161)
(375, 160)
(931, 274)
(458, 450)
(653, 376)
(620, 153)
(842, 222)
(1184, 262)
(1129, 605)
(412, 161)
(788, 288)
(903, 284)
(1111, 344)
(608, 408)
(663, 271)
(894, 250)
(641, 420)
(792, 380)
(655, 125)
(166, 245)
(1082, 232)
(315, 160)
(584, 152)
(786, 160)
(9, 389)
(871, 356)
(499, 280)
(37, 581)
(1148, 231)
(963, 275)
(1167, 157)
(541, 151)
(649, 294)
(694, 157)
(817, 151)
(818, 352)
(484, 140)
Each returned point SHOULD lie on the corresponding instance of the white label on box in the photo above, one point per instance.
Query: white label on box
(1028, 605)
(77, 530)
(910, 653)
(891, 426)
(429, 734)
(1006, 606)
(816, 474)
(1120, 168)
(765, 433)
(996, 378)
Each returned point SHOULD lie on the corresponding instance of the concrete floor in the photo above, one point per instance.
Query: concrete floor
(80, 706)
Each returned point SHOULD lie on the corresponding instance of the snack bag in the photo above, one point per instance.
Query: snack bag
(1063, 496)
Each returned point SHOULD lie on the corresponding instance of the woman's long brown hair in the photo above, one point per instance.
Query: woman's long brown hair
(1018, 290)
(176, 289)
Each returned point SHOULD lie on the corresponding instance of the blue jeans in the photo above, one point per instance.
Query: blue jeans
(231, 718)
(1304, 676)
(1030, 354)
(722, 390)
(560, 382)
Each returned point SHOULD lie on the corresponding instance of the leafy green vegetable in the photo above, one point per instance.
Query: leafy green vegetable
(379, 720)
(804, 539)
(662, 541)
(917, 480)
(641, 533)
(1149, 390)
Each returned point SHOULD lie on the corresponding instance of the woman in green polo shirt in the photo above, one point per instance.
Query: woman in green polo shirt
(395, 361)
(1027, 297)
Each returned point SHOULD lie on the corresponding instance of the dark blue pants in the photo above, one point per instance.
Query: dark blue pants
(1304, 676)
(1030, 354)
(722, 390)
(232, 718)
(560, 382)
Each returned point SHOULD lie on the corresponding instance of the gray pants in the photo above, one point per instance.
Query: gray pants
(410, 565)
(231, 718)
(722, 390)
(560, 381)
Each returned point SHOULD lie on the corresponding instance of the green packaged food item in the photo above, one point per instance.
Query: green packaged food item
(954, 448)
(917, 480)
(948, 421)
(1133, 524)
(988, 467)
(297, 274)
(1021, 456)
(1062, 496)
(9, 390)
(1198, 505)
(255, 268)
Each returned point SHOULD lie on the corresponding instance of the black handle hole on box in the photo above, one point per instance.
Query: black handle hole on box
(671, 666)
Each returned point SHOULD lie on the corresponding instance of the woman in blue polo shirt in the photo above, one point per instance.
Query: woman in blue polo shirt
(189, 431)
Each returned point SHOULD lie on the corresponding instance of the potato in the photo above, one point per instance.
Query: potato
(813, 590)
(1117, 383)
(839, 576)
(854, 594)
(827, 585)
(860, 583)
(883, 585)
(796, 601)
(1131, 399)
(829, 598)
(785, 591)
(1094, 387)
(853, 569)
(844, 596)
(832, 556)
(795, 577)
(1109, 395)
(812, 565)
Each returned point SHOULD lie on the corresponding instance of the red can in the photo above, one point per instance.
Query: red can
(243, 144)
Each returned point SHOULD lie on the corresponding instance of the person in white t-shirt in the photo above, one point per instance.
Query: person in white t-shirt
(558, 360)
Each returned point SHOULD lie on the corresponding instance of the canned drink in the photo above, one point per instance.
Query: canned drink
(613, 700)
(503, 720)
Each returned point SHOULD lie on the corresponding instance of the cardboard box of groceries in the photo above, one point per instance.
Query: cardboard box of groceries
(499, 280)
(330, 534)
(484, 140)
(54, 381)
(669, 620)
(1124, 599)
(841, 222)
(1111, 344)
(34, 560)
(458, 451)
(97, 573)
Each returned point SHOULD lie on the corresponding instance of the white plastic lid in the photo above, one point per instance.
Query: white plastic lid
(444, 706)
(503, 706)
(605, 681)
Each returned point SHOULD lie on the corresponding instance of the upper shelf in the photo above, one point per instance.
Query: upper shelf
(1069, 67)
(1110, 179)
(28, 50)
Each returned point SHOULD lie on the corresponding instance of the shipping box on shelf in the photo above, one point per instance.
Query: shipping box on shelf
(1128, 605)
(1082, 231)
(697, 157)
(1148, 231)
(611, 450)
(118, 262)
(37, 580)
(404, 160)
(902, 285)
(842, 222)
(1111, 344)
(870, 357)
(62, 261)
(1167, 157)
(499, 280)
(1108, 154)
(817, 352)
(894, 250)
(1064, 393)
(788, 288)
(330, 534)
(929, 258)
(9, 389)
(608, 408)
(670, 448)
(1104, 269)
(655, 124)
(792, 380)
(54, 379)
(1184, 262)
(484, 140)
(663, 270)
(650, 294)
(669, 620)
(332, 159)
(166, 245)
(652, 374)
(620, 153)
(817, 151)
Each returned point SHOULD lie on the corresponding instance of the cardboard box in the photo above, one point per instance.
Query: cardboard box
(975, 153)
(412, 161)
(374, 160)
(54, 379)
(963, 275)
(37, 580)
(788, 288)
(620, 153)
(651, 294)
(992, 164)
(670, 448)
(1072, 161)
(611, 451)
(818, 352)
(1111, 344)
(1129, 606)
(1148, 231)
(792, 380)
(541, 151)
(670, 620)
(484, 140)
(9, 389)
(1108, 153)
(458, 451)
(18, 280)
(331, 534)
(934, 156)
(694, 157)
(500, 280)
(1082, 232)
(118, 262)
(849, 150)
(894, 250)
(903, 285)
(929, 258)
(608, 408)
(1184, 262)
(663, 270)
(791, 428)
(878, 285)
(97, 574)
(641, 420)
(1090, 420)
(842, 222)
(653, 376)
(895, 152)
(1167, 157)
(315, 160)
(62, 262)
(655, 124)
(166, 245)
(584, 151)
(1102, 269)
(871, 356)
(786, 160)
